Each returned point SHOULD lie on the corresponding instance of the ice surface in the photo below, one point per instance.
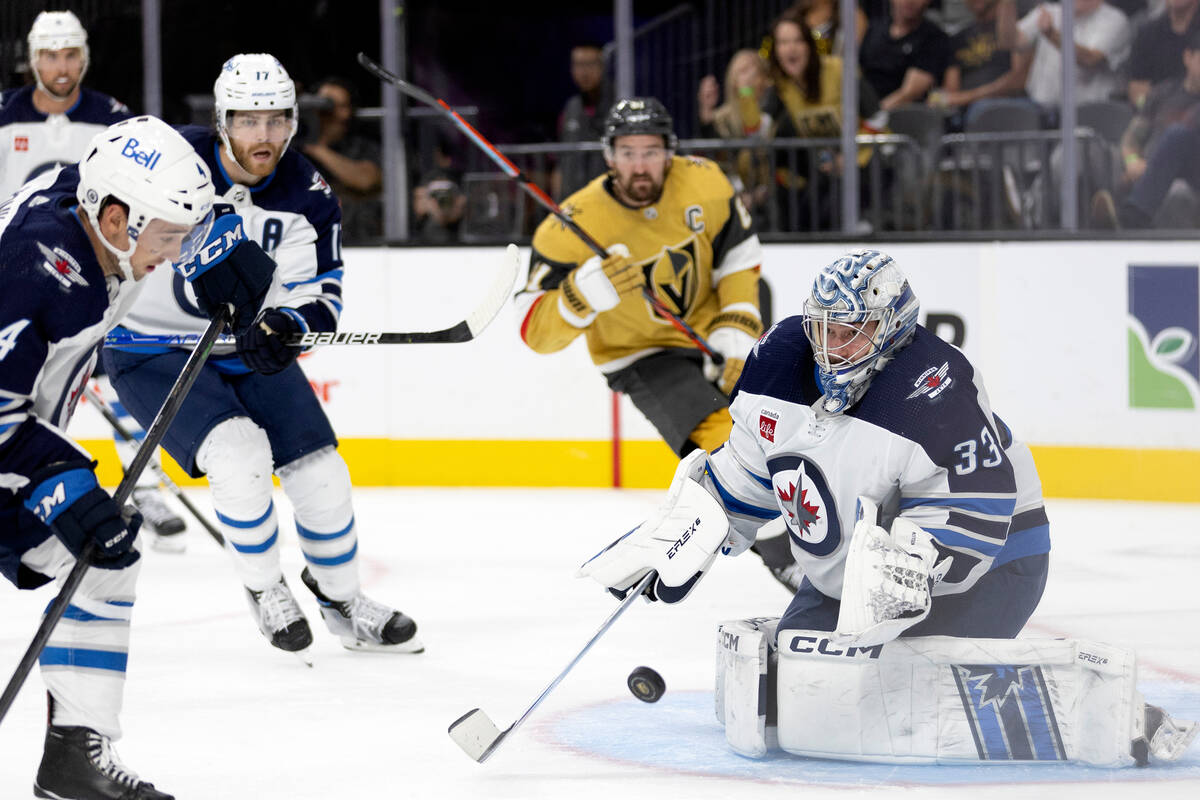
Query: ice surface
(211, 711)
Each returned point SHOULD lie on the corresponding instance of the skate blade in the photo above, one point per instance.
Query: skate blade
(475, 733)
(171, 543)
(412, 646)
(304, 655)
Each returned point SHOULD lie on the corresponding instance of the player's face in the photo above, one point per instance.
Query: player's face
(258, 139)
(60, 70)
(160, 243)
(841, 344)
(791, 50)
(639, 165)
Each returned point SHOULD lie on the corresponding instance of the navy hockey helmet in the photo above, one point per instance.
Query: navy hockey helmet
(639, 115)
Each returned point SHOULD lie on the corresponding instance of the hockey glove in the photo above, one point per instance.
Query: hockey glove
(262, 348)
(66, 497)
(679, 542)
(598, 285)
(230, 268)
(732, 335)
(887, 586)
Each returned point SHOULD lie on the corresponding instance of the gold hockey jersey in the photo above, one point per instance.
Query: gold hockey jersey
(696, 246)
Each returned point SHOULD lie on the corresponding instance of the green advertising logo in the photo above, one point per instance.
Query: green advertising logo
(1164, 320)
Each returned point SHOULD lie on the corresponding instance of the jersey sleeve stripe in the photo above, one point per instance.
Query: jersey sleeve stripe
(1000, 505)
(746, 254)
(740, 506)
(1029, 542)
(332, 275)
(960, 540)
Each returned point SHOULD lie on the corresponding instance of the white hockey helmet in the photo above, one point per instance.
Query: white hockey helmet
(145, 164)
(253, 82)
(56, 30)
(860, 312)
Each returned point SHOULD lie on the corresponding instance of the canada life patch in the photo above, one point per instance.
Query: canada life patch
(766, 424)
(932, 382)
(20, 143)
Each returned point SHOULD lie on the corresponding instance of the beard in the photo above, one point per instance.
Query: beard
(261, 169)
(63, 93)
(640, 188)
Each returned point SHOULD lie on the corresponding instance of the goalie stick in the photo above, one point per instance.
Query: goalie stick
(463, 331)
(475, 732)
(533, 190)
(166, 415)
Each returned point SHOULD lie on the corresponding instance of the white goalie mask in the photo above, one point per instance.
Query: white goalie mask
(860, 312)
(254, 82)
(56, 30)
(146, 165)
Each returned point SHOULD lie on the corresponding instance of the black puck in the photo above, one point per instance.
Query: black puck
(646, 684)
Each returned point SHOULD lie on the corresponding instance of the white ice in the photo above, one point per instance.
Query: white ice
(211, 711)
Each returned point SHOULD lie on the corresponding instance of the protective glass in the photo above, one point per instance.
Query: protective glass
(841, 339)
(170, 241)
(255, 126)
(639, 155)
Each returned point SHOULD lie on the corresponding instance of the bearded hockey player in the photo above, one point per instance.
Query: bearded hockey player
(918, 521)
(253, 412)
(74, 245)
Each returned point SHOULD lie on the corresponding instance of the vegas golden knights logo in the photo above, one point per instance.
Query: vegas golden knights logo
(674, 279)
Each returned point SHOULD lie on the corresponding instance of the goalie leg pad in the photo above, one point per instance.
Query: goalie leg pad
(745, 687)
(939, 699)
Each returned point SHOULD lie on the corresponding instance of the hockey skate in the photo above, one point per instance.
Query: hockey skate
(81, 764)
(363, 624)
(165, 526)
(1160, 738)
(280, 619)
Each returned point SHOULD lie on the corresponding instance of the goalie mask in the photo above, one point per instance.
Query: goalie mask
(56, 30)
(147, 166)
(254, 82)
(639, 115)
(860, 312)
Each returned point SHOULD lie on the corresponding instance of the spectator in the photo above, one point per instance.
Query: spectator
(739, 117)
(805, 101)
(582, 119)
(348, 161)
(980, 68)
(1102, 36)
(1159, 147)
(1158, 48)
(904, 57)
(824, 19)
(439, 203)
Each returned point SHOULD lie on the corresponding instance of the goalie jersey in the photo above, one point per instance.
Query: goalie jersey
(696, 246)
(922, 443)
(32, 142)
(294, 216)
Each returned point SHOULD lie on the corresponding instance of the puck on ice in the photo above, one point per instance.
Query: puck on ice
(646, 684)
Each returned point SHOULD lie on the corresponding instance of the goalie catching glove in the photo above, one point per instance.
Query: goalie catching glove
(732, 335)
(679, 542)
(598, 285)
(888, 583)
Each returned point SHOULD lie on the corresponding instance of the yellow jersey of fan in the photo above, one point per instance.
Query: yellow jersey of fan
(696, 245)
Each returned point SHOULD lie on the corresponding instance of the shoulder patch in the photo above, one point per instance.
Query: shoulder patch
(62, 265)
(319, 185)
(932, 382)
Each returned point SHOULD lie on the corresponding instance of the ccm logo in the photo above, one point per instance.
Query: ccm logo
(811, 644)
(682, 540)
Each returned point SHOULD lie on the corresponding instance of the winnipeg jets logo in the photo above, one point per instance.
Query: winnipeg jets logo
(763, 338)
(319, 185)
(803, 497)
(932, 382)
(62, 266)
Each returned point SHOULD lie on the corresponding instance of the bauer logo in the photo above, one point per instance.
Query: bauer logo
(1164, 324)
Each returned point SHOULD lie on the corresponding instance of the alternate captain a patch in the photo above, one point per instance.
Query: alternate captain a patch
(1009, 711)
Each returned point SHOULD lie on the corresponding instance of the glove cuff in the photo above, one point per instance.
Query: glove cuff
(746, 323)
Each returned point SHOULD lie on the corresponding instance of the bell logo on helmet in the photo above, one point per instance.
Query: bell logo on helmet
(146, 158)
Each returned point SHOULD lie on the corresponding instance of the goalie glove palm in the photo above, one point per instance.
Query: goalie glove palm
(679, 542)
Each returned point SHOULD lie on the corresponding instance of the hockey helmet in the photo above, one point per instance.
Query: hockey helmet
(253, 82)
(149, 167)
(860, 312)
(56, 30)
(639, 115)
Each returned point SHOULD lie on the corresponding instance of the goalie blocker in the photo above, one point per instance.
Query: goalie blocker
(937, 700)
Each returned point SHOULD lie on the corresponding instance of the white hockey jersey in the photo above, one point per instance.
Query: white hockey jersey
(923, 443)
(294, 216)
(32, 142)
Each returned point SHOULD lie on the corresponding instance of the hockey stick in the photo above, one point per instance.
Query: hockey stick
(463, 331)
(172, 487)
(158, 429)
(532, 189)
(475, 732)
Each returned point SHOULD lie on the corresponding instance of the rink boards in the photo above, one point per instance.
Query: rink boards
(1089, 352)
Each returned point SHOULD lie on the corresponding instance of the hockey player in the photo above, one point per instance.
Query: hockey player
(74, 244)
(914, 513)
(252, 412)
(676, 224)
(47, 125)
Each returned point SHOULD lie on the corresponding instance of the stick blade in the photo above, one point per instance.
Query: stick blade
(499, 293)
(475, 733)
